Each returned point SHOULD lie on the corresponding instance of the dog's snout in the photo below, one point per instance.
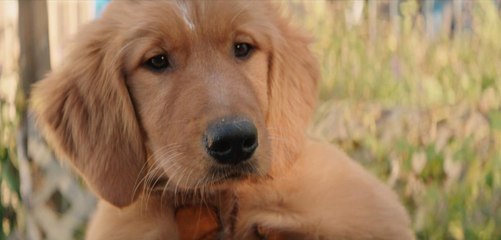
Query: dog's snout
(231, 140)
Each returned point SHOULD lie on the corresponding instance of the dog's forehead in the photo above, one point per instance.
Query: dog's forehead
(204, 15)
(185, 14)
(209, 18)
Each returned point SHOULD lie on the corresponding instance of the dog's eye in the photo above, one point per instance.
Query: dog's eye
(242, 50)
(158, 63)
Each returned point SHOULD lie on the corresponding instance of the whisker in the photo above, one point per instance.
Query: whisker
(169, 181)
(154, 175)
(187, 181)
(177, 186)
(146, 165)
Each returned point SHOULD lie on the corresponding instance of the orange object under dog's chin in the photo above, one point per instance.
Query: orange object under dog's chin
(198, 223)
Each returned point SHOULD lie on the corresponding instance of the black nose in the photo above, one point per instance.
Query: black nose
(231, 140)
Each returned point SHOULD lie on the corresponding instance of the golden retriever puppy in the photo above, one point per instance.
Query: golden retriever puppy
(188, 120)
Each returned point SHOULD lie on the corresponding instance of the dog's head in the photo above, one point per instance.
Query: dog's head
(201, 92)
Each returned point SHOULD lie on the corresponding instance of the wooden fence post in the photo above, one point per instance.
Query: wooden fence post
(56, 204)
(34, 63)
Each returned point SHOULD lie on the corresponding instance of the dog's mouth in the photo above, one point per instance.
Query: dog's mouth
(221, 175)
(228, 178)
(215, 177)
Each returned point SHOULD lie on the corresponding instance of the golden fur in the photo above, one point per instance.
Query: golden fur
(134, 134)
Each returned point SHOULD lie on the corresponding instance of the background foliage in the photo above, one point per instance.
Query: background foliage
(420, 110)
(10, 203)
(9, 177)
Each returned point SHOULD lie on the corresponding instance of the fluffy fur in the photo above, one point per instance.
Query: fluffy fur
(135, 134)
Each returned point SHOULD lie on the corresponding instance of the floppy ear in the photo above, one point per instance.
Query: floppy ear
(86, 114)
(292, 86)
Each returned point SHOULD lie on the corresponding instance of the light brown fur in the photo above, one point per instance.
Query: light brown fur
(135, 135)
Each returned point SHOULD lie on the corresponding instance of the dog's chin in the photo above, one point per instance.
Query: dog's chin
(222, 183)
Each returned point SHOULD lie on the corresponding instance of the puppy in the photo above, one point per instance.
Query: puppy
(179, 112)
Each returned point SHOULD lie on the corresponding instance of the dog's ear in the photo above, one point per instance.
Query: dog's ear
(293, 79)
(86, 114)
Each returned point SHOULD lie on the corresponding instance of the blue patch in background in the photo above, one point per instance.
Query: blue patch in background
(100, 6)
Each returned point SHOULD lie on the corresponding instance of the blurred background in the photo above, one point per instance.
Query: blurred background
(411, 89)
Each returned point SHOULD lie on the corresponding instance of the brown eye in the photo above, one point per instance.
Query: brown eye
(242, 50)
(158, 63)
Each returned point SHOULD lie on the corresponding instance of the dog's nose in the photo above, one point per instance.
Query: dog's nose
(231, 140)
